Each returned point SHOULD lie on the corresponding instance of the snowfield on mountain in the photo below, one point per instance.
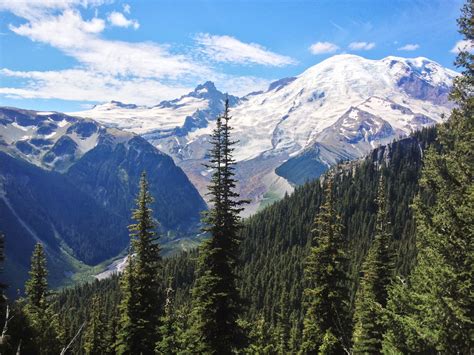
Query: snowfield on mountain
(345, 106)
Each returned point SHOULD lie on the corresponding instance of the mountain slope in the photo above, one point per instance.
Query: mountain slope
(343, 106)
(275, 240)
(71, 183)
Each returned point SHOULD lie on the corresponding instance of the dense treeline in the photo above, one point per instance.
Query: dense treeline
(276, 241)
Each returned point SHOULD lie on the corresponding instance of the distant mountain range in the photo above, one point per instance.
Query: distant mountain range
(71, 183)
(336, 110)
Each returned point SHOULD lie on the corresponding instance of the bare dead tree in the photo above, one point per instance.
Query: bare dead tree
(63, 352)
(18, 350)
(4, 337)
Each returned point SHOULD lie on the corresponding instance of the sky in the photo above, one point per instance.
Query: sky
(67, 55)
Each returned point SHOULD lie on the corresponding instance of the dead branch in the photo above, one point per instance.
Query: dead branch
(63, 352)
(4, 336)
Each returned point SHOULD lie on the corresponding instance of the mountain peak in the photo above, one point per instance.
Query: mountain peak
(207, 86)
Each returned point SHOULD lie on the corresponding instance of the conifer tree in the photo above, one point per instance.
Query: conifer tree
(36, 287)
(94, 337)
(262, 341)
(294, 342)
(432, 310)
(283, 326)
(142, 300)
(371, 297)
(326, 294)
(41, 318)
(216, 300)
(111, 335)
(169, 329)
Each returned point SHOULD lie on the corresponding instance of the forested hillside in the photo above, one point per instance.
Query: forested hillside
(275, 243)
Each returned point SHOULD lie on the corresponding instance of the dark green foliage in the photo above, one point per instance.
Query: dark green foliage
(216, 300)
(142, 300)
(94, 337)
(262, 339)
(371, 295)
(274, 244)
(171, 331)
(432, 310)
(40, 317)
(37, 286)
(275, 241)
(74, 307)
(326, 294)
(283, 325)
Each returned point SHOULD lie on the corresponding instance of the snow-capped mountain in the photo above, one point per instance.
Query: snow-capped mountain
(52, 140)
(344, 106)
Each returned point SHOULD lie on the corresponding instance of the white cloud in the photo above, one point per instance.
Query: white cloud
(139, 72)
(30, 9)
(119, 20)
(85, 85)
(80, 39)
(361, 46)
(464, 45)
(231, 50)
(409, 47)
(323, 47)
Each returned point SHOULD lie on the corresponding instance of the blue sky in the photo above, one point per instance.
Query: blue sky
(67, 55)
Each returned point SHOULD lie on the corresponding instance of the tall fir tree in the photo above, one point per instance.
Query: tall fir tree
(371, 297)
(432, 310)
(142, 292)
(94, 337)
(283, 323)
(216, 299)
(36, 287)
(326, 322)
(111, 334)
(40, 316)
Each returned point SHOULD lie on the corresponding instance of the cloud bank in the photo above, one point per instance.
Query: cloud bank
(231, 50)
(409, 47)
(323, 47)
(140, 72)
(361, 46)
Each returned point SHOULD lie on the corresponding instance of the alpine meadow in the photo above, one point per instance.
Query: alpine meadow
(145, 211)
